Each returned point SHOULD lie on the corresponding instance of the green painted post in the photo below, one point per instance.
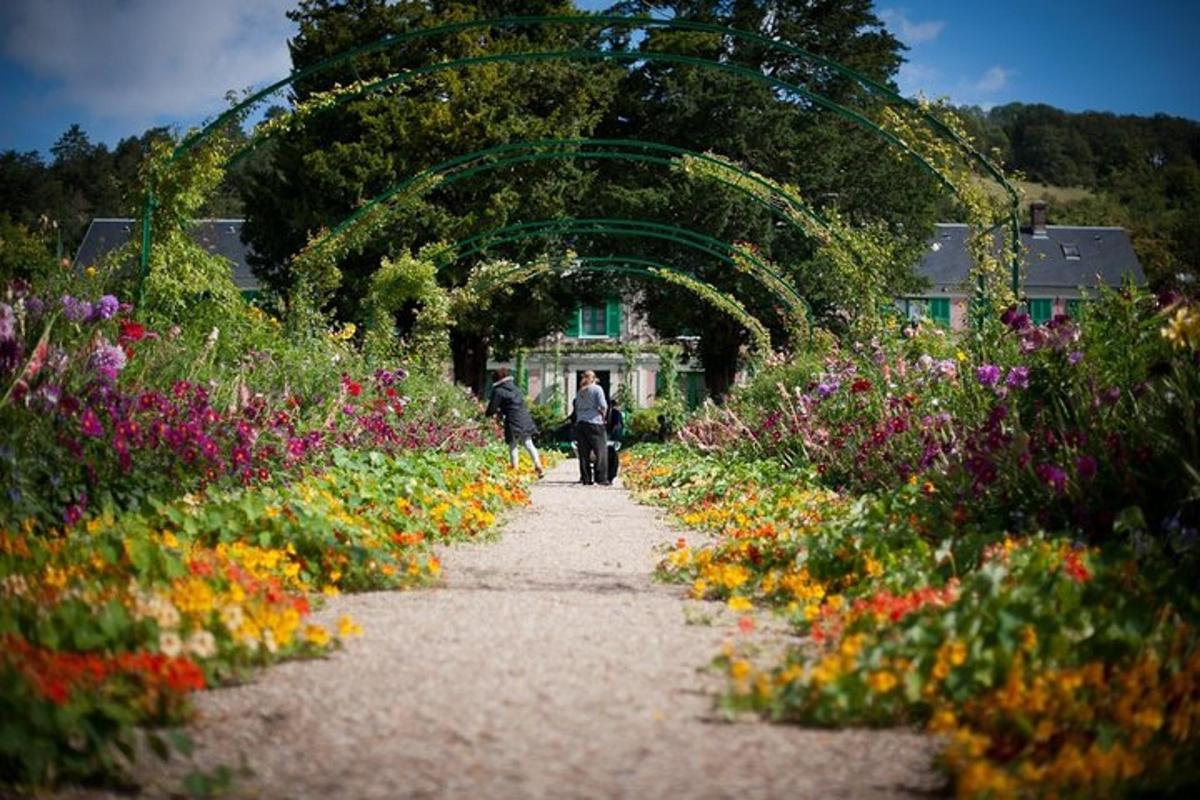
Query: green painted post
(144, 260)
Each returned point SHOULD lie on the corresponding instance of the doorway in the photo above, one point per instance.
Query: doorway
(603, 377)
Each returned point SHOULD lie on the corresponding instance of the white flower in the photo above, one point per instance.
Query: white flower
(202, 644)
(269, 641)
(232, 616)
(169, 644)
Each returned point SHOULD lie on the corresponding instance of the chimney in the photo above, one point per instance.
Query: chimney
(1038, 215)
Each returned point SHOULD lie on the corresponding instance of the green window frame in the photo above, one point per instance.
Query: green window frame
(1041, 309)
(593, 321)
(939, 310)
(596, 322)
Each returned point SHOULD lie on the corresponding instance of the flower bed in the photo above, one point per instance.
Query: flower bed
(999, 547)
(172, 512)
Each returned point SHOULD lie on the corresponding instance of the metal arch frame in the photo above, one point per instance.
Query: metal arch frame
(629, 265)
(609, 21)
(439, 170)
(625, 227)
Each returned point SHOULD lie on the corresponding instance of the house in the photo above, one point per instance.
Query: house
(218, 236)
(1060, 263)
(597, 338)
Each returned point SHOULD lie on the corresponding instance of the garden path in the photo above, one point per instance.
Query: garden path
(549, 665)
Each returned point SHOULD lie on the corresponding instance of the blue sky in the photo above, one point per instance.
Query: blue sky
(120, 66)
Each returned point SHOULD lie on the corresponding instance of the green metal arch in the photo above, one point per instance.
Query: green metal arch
(536, 154)
(635, 56)
(607, 21)
(604, 21)
(628, 228)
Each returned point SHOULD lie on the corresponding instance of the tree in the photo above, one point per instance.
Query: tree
(321, 173)
(788, 138)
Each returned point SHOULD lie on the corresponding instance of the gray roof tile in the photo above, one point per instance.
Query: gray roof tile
(220, 236)
(1105, 257)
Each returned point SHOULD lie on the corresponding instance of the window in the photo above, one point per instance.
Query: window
(1074, 308)
(939, 311)
(594, 321)
(1070, 251)
(1040, 310)
(936, 309)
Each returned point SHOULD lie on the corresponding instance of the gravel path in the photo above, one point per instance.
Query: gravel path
(549, 666)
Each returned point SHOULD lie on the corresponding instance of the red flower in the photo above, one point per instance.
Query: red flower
(131, 332)
(354, 388)
(859, 386)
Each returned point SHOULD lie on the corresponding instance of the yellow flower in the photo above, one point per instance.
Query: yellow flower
(882, 682)
(348, 627)
(1183, 329)
(739, 603)
(90, 272)
(316, 635)
(739, 668)
(961, 356)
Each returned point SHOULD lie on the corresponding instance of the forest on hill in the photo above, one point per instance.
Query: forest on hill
(1143, 174)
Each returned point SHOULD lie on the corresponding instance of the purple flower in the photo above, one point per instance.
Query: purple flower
(1085, 468)
(105, 308)
(107, 360)
(987, 375)
(35, 306)
(1017, 320)
(11, 355)
(1018, 378)
(1052, 476)
(947, 368)
(1110, 396)
(76, 310)
(8, 327)
(1074, 358)
(826, 388)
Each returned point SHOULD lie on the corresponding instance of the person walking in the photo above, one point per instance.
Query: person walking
(590, 408)
(509, 405)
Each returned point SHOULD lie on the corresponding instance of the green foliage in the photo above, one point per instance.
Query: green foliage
(24, 252)
(410, 282)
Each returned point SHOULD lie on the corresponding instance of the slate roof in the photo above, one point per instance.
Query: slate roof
(1105, 257)
(220, 236)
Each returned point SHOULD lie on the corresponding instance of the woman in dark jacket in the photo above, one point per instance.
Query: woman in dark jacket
(509, 405)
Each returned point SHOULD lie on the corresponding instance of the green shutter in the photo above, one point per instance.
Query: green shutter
(1040, 310)
(612, 321)
(573, 324)
(939, 310)
(1074, 308)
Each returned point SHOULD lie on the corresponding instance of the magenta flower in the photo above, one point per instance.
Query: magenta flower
(1052, 476)
(1085, 468)
(89, 423)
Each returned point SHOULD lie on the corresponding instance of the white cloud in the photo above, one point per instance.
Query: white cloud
(138, 61)
(914, 77)
(909, 32)
(995, 79)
